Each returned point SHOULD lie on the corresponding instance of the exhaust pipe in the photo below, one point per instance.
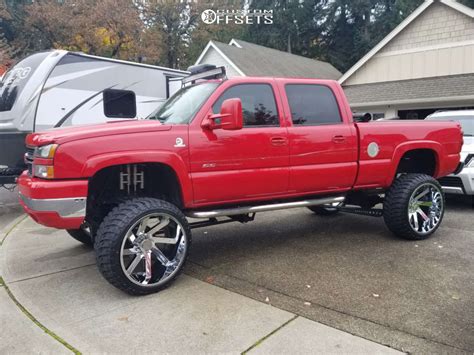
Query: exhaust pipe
(263, 208)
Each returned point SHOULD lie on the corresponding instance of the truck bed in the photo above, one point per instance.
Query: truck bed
(395, 138)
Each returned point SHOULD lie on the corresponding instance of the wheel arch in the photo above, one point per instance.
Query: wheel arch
(407, 156)
(168, 160)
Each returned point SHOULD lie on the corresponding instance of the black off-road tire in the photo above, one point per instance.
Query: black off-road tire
(396, 204)
(112, 230)
(81, 236)
(324, 211)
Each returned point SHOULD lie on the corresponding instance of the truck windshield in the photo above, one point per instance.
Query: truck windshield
(15, 80)
(183, 105)
(467, 123)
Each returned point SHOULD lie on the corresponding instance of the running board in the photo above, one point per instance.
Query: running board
(263, 208)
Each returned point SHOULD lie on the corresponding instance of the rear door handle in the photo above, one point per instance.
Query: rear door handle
(338, 139)
(278, 141)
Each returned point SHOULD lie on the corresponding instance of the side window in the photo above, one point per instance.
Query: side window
(258, 104)
(312, 105)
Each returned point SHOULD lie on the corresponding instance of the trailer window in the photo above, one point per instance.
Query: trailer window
(15, 79)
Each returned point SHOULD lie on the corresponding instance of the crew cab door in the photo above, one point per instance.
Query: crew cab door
(323, 141)
(246, 164)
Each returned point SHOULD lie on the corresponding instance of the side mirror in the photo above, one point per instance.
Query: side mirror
(230, 118)
(119, 103)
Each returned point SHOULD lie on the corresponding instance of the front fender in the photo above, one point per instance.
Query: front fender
(173, 160)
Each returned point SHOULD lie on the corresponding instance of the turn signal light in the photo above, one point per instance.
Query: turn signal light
(43, 171)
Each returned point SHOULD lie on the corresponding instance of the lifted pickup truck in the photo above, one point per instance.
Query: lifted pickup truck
(221, 150)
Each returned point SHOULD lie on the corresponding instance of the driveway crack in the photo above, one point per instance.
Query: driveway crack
(261, 340)
(36, 321)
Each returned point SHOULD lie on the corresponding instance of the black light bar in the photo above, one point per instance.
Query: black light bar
(204, 72)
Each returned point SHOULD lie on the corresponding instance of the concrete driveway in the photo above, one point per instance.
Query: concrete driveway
(413, 296)
(53, 300)
(346, 271)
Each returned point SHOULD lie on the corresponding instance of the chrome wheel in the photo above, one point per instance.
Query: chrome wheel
(153, 249)
(425, 208)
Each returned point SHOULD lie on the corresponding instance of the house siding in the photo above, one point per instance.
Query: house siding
(439, 24)
(440, 42)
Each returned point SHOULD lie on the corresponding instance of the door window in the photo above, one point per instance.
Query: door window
(312, 105)
(258, 104)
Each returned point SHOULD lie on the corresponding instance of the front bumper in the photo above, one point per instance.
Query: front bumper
(58, 204)
(460, 184)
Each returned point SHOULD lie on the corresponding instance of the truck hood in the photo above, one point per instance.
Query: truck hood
(63, 135)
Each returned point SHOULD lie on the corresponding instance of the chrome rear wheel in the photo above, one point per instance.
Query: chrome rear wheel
(413, 207)
(425, 208)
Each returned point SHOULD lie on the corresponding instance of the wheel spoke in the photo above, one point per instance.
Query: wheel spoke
(169, 240)
(160, 256)
(417, 198)
(422, 214)
(415, 220)
(142, 226)
(147, 267)
(131, 268)
(131, 251)
(162, 224)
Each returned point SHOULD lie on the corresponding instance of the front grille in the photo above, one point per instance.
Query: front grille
(451, 181)
(30, 151)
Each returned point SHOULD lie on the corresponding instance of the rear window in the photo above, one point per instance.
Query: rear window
(312, 105)
(15, 79)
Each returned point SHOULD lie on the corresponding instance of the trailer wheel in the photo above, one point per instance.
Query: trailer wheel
(82, 235)
(142, 245)
(414, 206)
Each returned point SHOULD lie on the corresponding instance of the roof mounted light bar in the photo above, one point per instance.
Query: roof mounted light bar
(204, 71)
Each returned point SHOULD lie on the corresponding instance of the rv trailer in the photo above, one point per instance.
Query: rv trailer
(59, 88)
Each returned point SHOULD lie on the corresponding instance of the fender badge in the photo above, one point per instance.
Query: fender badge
(373, 150)
(179, 143)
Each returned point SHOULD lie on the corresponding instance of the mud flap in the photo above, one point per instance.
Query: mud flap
(12, 151)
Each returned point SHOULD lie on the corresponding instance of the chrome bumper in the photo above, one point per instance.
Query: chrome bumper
(65, 207)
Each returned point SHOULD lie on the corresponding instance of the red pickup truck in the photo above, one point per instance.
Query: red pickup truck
(220, 150)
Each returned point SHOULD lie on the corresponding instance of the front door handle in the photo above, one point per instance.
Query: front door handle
(278, 141)
(338, 139)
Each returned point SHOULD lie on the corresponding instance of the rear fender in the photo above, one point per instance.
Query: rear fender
(403, 148)
(174, 161)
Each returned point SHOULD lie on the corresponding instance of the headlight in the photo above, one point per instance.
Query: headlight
(470, 161)
(46, 151)
(43, 171)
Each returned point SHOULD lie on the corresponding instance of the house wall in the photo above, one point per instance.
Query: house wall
(215, 58)
(439, 42)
